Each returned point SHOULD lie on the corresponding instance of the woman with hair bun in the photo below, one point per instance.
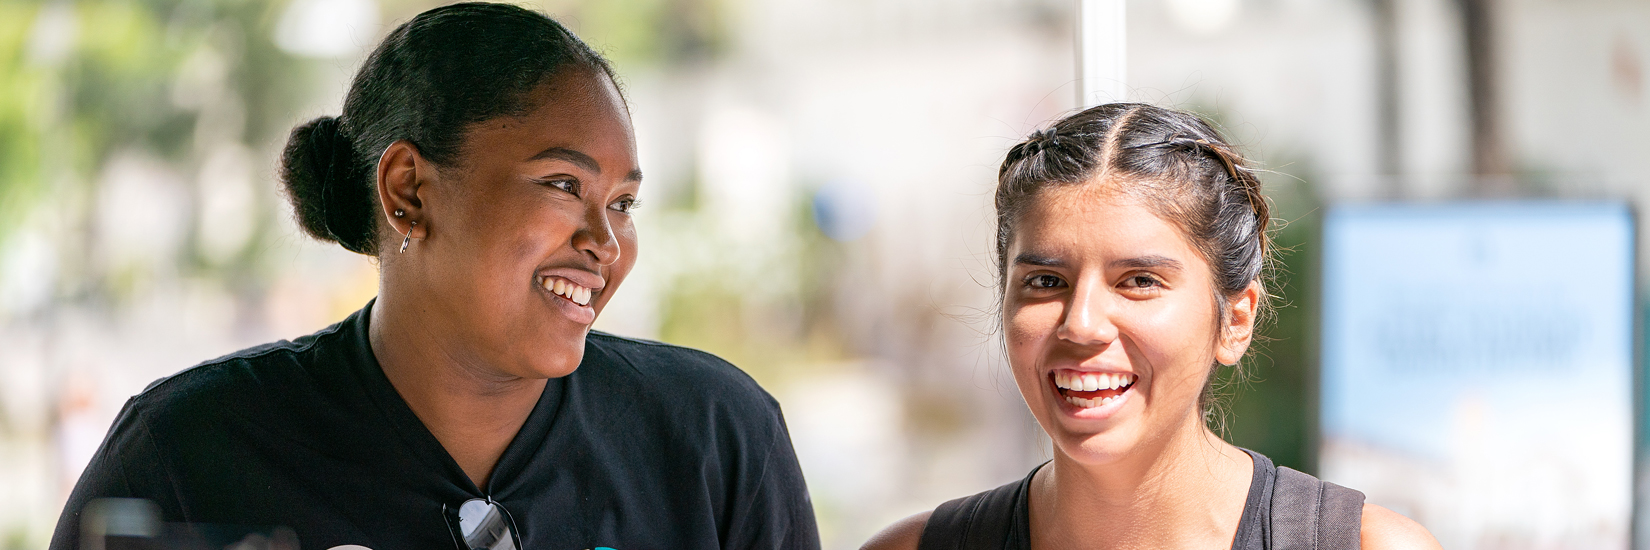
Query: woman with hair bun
(1131, 255)
(485, 158)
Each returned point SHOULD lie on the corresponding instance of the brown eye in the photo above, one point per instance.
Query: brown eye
(626, 205)
(1143, 281)
(1044, 281)
(569, 185)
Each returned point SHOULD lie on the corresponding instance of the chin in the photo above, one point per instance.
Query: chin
(556, 362)
(557, 353)
(1097, 449)
(1109, 443)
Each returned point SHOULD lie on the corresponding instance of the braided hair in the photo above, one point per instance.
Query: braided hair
(1188, 174)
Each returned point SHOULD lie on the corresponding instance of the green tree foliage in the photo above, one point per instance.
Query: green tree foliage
(1267, 404)
(649, 32)
(83, 81)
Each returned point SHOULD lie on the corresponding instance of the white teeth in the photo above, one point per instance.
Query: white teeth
(1090, 381)
(573, 292)
(1088, 403)
(1091, 403)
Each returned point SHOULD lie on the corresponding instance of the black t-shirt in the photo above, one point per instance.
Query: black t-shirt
(646, 445)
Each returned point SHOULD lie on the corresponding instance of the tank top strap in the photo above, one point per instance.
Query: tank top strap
(1253, 530)
(1312, 514)
(999, 519)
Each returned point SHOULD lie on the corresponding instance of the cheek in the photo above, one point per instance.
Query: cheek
(503, 227)
(538, 229)
(501, 255)
(629, 246)
(629, 250)
(1177, 339)
(516, 246)
(1027, 327)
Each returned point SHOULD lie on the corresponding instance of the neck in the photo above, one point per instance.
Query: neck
(1186, 491)
(473, 410)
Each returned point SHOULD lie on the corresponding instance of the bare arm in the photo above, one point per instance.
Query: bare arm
(902, 535)
(1385, 529)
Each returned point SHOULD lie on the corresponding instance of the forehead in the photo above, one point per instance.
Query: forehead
(1097, 220)
(579, 109)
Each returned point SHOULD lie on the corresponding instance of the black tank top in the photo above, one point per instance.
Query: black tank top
(1285, 510)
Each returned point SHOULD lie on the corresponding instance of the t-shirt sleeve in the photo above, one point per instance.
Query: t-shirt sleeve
(776, 512)
(127, 465)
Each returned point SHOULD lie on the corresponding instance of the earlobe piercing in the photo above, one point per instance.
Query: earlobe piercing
(405, 238)
(399, 212)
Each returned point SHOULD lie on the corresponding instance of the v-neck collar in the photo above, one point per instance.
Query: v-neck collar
(418, 438)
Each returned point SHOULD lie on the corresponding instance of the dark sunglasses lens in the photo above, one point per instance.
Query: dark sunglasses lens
(484, 526)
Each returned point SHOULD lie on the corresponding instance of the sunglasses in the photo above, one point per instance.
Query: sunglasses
(481, 524)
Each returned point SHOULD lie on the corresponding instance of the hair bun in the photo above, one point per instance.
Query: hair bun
(329, 197)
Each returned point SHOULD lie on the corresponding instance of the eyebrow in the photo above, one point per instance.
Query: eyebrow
(1042, 261)
(1140, 262)
(582, 160)
(1147, 262)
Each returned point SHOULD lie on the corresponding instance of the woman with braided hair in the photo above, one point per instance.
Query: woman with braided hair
(1131, 256)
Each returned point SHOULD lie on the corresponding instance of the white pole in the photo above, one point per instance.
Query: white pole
(1102, 42)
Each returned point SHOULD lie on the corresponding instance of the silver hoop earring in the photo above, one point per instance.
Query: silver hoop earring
(406, 238)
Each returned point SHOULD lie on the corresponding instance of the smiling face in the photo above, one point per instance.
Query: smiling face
(528, 237)
(1111, 323)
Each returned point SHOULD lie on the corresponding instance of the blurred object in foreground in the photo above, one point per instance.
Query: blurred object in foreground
(135, 524)
(1477, 368)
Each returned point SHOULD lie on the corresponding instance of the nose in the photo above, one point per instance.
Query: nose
(596, 237)
(1088, 317)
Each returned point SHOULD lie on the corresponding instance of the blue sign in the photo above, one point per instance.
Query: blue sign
(1478, 366)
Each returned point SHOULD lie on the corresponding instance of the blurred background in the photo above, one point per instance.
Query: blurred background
(818, 194)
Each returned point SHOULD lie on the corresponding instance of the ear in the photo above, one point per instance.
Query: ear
(402, 173)
(1238, 325)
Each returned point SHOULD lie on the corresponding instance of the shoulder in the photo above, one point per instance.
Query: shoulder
(238, 381)
(197, 416)
(674, 369)
(904, 534)
(661, 358)
(1385, 529)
